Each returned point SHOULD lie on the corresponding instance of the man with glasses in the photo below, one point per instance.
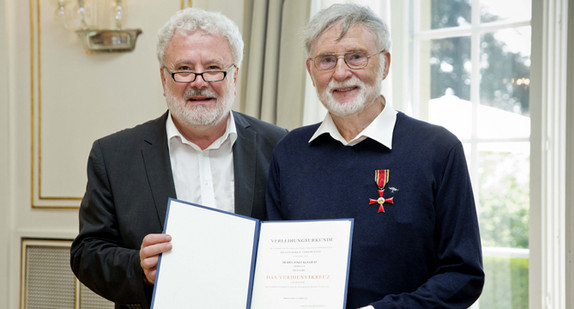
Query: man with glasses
(416, 241)
(199, 151)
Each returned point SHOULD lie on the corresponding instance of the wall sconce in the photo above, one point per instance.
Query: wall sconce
(99, 24)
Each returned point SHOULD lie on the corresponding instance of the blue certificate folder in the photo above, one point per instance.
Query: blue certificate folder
(224, 260)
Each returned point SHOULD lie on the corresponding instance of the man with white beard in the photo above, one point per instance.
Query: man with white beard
(199, 151)
(416, 242)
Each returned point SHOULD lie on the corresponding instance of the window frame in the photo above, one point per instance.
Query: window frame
(549, 88)
(550, 123)
(474, 32)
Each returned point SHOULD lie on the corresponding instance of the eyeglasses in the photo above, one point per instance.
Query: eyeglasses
(354, 60)
(208, 76)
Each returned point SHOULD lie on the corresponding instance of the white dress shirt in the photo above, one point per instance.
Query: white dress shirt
(380, 129)
(203, 177)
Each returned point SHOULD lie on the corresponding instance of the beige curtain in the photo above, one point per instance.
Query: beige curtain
(273, 70)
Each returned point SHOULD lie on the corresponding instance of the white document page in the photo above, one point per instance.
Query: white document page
(302, 264)
(211, 260)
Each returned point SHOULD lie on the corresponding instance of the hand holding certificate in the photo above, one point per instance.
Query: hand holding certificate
(223, 260)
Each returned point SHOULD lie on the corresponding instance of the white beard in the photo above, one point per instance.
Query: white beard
(200, 115)
(364, 98)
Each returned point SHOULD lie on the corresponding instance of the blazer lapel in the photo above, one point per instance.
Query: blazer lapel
(244, 166)
(157, 164)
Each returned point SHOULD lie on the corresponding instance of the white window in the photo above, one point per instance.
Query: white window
(471, 67)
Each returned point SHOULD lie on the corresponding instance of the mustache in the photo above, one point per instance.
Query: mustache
(347, 83)
(199, 92)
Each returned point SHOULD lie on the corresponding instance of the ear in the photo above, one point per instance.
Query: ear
(235, 78)
(309, 70)
(387, 56)
(163, 81)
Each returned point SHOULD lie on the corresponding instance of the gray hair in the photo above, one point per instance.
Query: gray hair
(348, 15)
(193, 19)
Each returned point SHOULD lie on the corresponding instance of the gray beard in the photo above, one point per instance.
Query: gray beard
(200, 115)
(359, 103)
(356, 105)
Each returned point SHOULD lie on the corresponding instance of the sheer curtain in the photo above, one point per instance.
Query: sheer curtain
(273, 74)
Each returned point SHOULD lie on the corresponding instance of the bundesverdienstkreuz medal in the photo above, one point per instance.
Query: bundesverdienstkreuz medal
(381, 179)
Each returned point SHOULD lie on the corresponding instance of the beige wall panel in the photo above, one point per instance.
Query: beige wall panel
(232, 9)
(5, 187)
(78, 97)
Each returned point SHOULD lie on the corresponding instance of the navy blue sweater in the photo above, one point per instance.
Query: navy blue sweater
(424, 251)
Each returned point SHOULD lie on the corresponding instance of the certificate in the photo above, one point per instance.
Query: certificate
(224, 260)
(302, 264)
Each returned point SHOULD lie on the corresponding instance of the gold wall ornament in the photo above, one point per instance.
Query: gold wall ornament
(186, 4)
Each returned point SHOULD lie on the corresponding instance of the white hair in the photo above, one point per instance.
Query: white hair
(193, 19)
(348, 15)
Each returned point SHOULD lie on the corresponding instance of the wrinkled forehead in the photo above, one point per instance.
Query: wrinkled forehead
(186, 41)
(354, 37)
(197, 51)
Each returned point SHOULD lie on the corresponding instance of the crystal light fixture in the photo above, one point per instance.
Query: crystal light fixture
(99, 23)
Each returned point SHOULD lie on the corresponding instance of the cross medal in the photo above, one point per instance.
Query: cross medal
(381, 179)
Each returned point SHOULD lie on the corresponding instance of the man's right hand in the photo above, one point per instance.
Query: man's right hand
(152, 246)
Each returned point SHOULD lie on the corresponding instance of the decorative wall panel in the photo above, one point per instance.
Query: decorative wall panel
(78, 97)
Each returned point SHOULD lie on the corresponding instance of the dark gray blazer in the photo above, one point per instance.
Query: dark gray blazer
(129, 183)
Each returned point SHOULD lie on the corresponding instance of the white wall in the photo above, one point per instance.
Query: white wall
(54, 101)
(570, 166)
(4, 161)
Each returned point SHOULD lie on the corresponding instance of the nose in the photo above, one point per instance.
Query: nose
(342, 71)
(199, 82)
